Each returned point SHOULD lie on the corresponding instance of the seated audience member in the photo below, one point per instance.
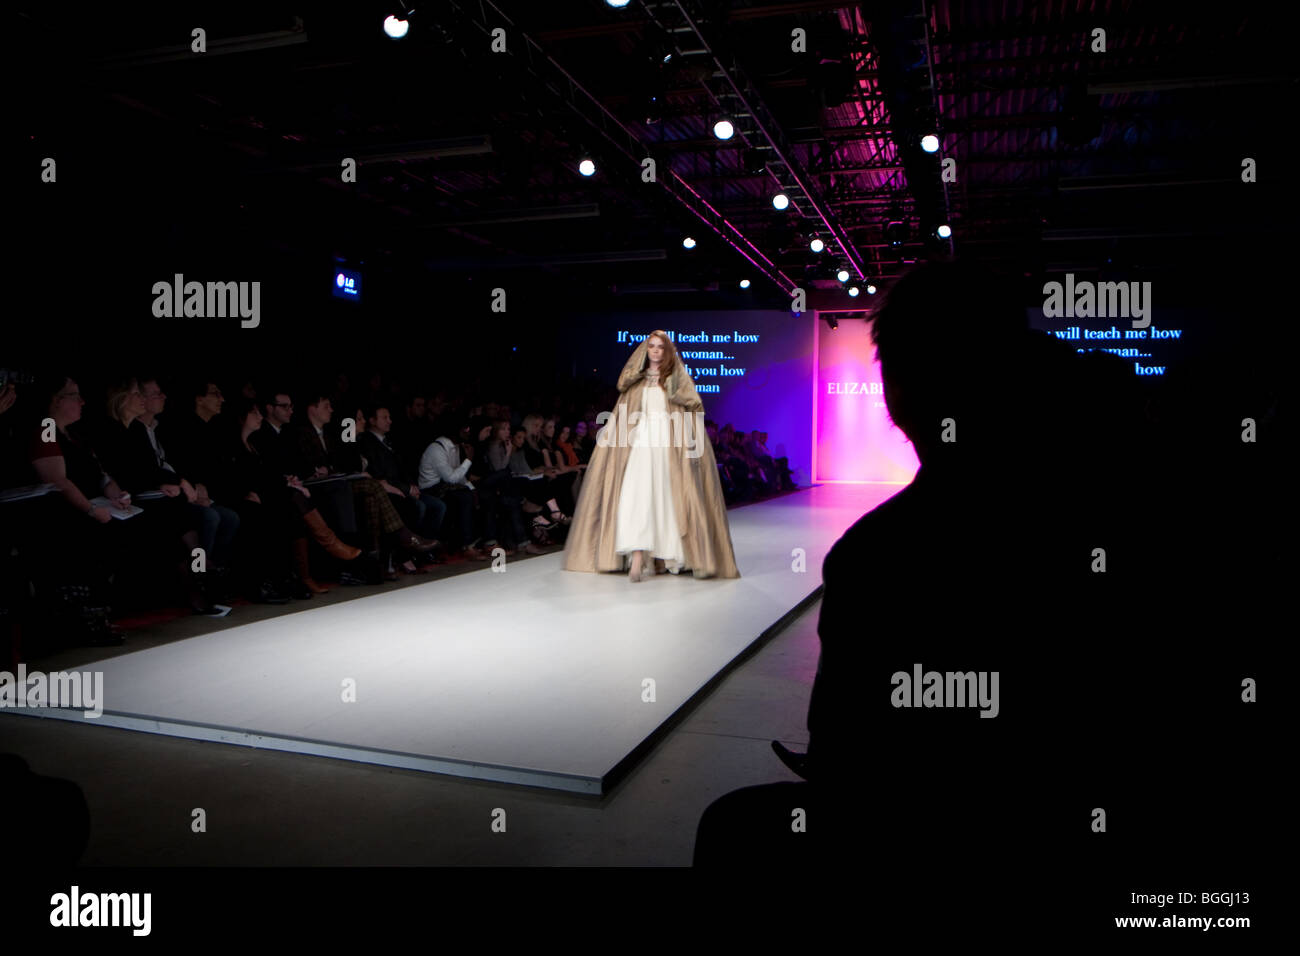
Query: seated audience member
(83, 543)
(565, 443)
(351, 460)
(270, 506)
(762, 461)
(737, 469)
(321, 454)
(273, 440)
(534, 487)
(583, 443)
(198, 441)
(122, 446)
(559, 484)
(496, 489)
(444, 472)
(387, 464)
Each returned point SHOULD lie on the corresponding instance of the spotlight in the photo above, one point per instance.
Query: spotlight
(723, 129)
(816, 245)
(842, 275)
(930, 143)
(780, 201)
(944, 231)
(395, 28)
(654, 109)
(617, 4)
(688, 243)
(896, 232)
(587, 167)
(853, 291)
(871, 288)
(744, 283)
(833, 322)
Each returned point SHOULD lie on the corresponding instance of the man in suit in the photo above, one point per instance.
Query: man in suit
(272, 440)
(390, 467)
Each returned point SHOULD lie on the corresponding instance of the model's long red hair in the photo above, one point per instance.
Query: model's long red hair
(670, 360)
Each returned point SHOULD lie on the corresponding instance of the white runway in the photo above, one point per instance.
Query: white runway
(534, 675)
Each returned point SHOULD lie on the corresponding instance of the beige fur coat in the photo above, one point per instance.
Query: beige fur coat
(696, 490)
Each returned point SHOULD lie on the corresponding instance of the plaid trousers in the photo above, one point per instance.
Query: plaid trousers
(381, 516)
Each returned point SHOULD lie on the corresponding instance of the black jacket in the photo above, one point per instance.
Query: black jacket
(126, 454)
(383, 461)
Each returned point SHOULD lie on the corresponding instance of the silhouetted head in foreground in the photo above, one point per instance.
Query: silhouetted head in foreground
(958, 360)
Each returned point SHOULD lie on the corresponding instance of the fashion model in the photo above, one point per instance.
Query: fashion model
(651, 500)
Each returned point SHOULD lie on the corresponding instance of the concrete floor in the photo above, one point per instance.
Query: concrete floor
(271, 808)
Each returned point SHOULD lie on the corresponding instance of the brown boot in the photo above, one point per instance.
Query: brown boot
(304, 570)
(327, 539)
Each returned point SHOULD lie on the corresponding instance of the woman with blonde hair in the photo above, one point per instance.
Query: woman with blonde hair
(558, 485)
(651, 490)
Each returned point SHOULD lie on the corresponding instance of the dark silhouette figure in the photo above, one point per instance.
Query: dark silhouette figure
(1038, 464)
(48, 818)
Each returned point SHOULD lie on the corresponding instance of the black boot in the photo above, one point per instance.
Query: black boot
(265, 592)
(293, 586)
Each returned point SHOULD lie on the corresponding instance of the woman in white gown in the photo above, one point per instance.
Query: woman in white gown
(647, 525)
(651, 494)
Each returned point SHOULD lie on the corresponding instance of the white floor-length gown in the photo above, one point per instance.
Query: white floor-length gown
(646, 518)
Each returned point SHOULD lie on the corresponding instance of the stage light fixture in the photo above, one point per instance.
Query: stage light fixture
(833, 322)
(688, 243)
(781, 201)
(744, 283)
(853, 291)
(395, 28)
(587, 167)
(930, 143)
(816, 245)
(617, 4)
(944, 231)
(842, 275)
(871, 288)
(724, 129)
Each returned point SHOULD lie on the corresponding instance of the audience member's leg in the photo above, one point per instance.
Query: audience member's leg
(433, 512)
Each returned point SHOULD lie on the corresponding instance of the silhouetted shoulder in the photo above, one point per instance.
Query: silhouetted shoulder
(862, 540)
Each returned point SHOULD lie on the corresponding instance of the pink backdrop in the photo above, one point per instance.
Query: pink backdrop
(854, 441)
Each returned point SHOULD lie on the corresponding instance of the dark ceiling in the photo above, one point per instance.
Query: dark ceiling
(1125, 162)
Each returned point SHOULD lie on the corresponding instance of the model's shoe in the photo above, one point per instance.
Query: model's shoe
(327, 539)
(474, 554)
